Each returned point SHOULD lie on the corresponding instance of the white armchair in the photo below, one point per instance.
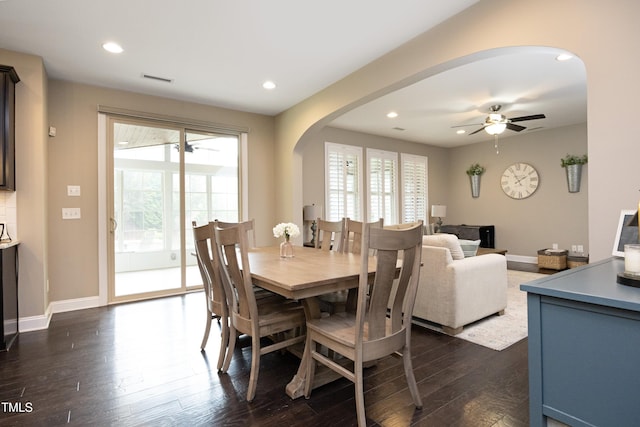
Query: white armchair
(455, 291)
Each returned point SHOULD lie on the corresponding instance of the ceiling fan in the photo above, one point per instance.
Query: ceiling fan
(496, 123)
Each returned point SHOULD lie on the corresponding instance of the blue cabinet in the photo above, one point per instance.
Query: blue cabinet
(584, 347)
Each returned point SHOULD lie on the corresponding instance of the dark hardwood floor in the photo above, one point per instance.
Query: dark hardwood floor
(140, 364)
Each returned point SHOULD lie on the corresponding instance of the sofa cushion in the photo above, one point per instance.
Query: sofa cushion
(443, 240)
(469, 247)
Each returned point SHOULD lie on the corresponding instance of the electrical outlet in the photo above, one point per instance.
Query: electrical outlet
(580, 248)
(70, 213)
(574, 248)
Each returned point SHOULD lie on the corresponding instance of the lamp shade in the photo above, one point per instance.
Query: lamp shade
(310, 213)
(438, 211)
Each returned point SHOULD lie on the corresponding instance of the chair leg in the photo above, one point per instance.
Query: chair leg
(233, 337)
(255, 367)
(411, 379)
(224, 343)
(359, 383)
(207, 329)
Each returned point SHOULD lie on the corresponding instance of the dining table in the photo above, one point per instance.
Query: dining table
(308, 274)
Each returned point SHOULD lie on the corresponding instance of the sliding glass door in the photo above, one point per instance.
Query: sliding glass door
(163, 178)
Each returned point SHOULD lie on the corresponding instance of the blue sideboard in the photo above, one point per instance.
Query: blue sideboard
(584, 347)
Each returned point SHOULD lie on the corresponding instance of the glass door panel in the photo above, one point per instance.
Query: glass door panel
(147, 256)
(211, 187)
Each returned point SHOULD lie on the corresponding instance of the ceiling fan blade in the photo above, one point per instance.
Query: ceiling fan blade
(470, 124)
(523, 118)
(516, 128)
(476, 131)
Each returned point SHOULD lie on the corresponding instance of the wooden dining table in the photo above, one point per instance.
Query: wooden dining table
(310, 273)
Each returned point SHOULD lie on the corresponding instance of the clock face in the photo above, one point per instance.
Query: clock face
(520, 180)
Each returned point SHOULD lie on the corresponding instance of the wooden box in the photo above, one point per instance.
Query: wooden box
(553, 259)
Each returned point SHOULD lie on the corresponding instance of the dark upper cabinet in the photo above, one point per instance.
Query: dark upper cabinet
(8, 80)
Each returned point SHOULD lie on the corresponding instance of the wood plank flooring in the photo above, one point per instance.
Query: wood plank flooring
(140, 364)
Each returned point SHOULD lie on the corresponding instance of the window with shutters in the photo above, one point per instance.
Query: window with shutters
(382, 186)
(343, 181)
(414, 188)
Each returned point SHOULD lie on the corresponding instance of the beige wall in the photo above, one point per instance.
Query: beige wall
(551, 215)
(610, 64)
(73, 160)
(31, 175)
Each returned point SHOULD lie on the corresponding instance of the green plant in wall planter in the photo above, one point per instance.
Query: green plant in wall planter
(573, 166)
(474, 172)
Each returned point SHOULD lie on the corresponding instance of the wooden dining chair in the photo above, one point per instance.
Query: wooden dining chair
(249, 226)
(329, 235)
(213, 288)
(352, 235)
(351, 241)
(282, 320)
(370, 333)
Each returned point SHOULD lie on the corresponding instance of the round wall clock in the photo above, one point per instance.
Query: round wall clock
(520, 180)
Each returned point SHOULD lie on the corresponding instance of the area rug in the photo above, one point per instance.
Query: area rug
(499, 332)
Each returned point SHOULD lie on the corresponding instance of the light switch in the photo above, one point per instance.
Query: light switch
(70, 213)
(73, 190)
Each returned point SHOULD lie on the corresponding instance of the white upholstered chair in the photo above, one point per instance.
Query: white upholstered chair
(455, 291)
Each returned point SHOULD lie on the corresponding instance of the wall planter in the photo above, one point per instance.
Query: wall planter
(475, 171)
(573, 167)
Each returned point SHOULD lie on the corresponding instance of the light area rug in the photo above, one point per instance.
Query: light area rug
(499, 332)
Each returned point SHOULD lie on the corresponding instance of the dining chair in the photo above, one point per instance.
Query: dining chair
(329, 235)
(370, 333)
(352, 235)
(283, 320)
(213, 288)
(249, 226)
(351, 242)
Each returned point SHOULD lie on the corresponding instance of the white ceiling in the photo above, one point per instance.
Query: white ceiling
(220, 52)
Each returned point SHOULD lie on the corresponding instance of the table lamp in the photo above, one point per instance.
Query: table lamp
(439, 211)
(309, 213)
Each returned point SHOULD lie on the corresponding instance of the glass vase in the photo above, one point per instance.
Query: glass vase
(286, 249)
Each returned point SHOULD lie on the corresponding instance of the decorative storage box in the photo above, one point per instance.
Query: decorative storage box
(554, 259)
(574, 261)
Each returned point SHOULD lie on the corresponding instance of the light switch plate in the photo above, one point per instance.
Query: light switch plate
(73, 190)
(70, 213)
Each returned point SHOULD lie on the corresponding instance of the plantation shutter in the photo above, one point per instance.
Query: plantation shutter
(414, 188)
(383, 186)
(343, 181)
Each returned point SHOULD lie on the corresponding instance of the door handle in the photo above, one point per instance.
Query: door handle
(114, 225)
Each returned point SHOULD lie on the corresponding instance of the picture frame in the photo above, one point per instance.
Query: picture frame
(626, 233)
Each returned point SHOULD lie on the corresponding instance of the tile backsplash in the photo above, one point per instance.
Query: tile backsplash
(8, 214)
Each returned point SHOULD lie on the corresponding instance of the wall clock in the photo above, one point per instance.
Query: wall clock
(520, 180)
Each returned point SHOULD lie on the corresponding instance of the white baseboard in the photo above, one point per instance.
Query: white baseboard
(36, 323)
(522, 258)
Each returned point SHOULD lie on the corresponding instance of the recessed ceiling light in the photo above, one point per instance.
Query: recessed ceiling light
(461, 131)
(564, 57)
(269, 85)
(392, 115)
(112, 47)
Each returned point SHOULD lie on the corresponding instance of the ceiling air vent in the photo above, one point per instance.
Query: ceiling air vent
(156, 78)
(397, 128)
